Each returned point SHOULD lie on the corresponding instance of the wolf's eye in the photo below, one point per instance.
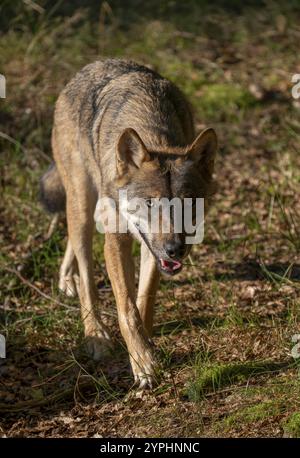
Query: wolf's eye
(149, 203)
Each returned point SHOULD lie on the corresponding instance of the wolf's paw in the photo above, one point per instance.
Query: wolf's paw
(69, 285)
(143, 382)
(98, 342)
(145, 371)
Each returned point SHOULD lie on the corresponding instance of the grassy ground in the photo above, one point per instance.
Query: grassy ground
(224, 327)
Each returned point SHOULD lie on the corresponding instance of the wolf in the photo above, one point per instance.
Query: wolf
(120, 125)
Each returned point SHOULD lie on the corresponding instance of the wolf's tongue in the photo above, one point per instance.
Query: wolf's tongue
(170, 265)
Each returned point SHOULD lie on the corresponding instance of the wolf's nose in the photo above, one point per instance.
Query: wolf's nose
(175, 249)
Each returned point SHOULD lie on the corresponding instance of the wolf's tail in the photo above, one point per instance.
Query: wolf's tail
(52, 192)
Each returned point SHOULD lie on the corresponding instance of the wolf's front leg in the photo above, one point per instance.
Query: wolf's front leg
(148, 284)
(120, 267)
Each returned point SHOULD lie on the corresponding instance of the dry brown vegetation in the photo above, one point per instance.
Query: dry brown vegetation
(224, 327)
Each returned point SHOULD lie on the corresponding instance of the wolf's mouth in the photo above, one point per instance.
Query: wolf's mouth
(165, 266)
(170, 267)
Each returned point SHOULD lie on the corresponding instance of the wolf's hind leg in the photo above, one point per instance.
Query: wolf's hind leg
(80, 209)
(68, 274)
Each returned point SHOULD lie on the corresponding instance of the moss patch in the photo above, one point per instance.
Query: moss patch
(292, 426)
(213, 377)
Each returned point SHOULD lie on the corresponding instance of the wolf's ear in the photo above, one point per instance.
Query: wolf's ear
(203, 150)
(131, 151)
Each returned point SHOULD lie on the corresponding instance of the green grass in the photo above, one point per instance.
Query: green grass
(219, 101)
(252, 414)
(213, 377)
(292, 426)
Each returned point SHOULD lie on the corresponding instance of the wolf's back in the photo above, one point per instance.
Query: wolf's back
(115, 95)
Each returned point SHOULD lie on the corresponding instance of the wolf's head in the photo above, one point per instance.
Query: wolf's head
(151, 179)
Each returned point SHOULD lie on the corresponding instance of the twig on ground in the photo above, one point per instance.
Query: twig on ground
(22, 148)
(31, 285)
(62, 394)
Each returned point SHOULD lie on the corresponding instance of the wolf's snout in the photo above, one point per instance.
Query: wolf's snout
(175, 249)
